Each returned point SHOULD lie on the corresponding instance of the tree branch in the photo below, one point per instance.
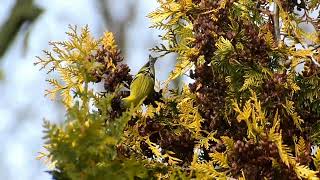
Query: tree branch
(23, 11)
(118, 27)
(276, 22)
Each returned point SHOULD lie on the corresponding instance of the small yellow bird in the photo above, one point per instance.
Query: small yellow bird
(142, 85)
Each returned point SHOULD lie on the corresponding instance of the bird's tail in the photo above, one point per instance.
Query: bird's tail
(127, 102)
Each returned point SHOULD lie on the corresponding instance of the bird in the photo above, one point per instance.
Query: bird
(142, 84)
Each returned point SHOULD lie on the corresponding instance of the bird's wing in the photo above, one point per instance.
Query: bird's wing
(142, 86)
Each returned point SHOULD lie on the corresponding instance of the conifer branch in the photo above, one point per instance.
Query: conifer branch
(276, 22)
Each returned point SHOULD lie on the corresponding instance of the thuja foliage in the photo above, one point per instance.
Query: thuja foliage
(250, 112)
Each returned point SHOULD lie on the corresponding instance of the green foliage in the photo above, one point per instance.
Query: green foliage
(84, 146)
(248, 114)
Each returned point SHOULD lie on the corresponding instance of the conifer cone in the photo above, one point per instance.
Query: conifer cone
(111, 76)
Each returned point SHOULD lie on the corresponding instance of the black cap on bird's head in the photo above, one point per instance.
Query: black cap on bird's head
(150, 64)
(152, 60)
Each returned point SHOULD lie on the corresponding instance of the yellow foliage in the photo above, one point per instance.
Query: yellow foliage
(206, 171)
(159, 156)
(204, 142)
(284, 151)
(220, 158)
(229, 142)
(224, 47)
(316, 159)
(69, 59)
(252, 79)
(190, 117)
(301, 146)
(182, 66)
(304, 172)
(109, 42)
(252, 114)
(170, 10)
(289, 106)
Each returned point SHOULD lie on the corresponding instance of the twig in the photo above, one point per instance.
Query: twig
(316, 47)
(23, 11)
(276, 22)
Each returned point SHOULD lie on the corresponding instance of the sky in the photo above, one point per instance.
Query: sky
(23, 105)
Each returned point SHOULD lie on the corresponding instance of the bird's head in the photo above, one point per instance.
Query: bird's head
(152, 60)
(151, 63)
